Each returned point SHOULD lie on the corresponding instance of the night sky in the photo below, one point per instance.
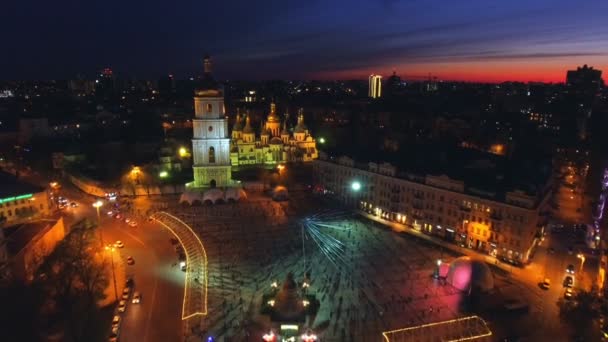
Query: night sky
(477, 40)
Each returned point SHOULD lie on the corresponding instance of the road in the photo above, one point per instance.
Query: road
(155, 273)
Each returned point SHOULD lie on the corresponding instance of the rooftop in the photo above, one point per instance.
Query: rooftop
(18, 236)
(11, 186)
(484, 174)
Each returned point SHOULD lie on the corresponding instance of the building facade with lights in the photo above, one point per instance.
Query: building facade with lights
(503, 224)
(275, 144)
(20, 200)
(210, 140)
(375, 86)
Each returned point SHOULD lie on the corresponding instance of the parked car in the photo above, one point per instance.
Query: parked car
(119, 244)
(568, 281)
(122, 306)
(116, 321)
(130, 260)
(546, 284)
(569, 293)
(125, 293)
(136, 298)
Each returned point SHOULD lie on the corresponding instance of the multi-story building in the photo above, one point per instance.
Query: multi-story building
(274, 145)
(502, 217)
(375, 86)
(20, 200)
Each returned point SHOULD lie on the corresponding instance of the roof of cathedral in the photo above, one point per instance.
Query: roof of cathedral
(264, 130)
(247, 128)
(285, 131)
(300, 127)
(276, 141)
(238, 126)
(272, 117)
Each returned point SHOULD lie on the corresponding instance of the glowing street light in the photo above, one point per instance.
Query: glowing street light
(582, 257)
(437, 269)
(183, 152)
(163, 174)
(98, 205)
(322, 140)
(135, 170)
(356, 186)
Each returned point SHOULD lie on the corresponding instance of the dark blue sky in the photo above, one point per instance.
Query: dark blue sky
(453, 39)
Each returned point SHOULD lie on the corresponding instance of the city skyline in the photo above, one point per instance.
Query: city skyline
(473, 41)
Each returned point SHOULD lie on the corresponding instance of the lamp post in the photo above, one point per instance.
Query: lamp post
(135, 171)
(280, 168)
(355, 186)
(111, 249)
(98, 205)
(437, 270)
(582, 257)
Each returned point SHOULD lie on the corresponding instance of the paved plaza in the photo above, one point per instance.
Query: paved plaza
(379, 281)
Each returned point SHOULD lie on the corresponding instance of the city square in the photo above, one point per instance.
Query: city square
(368, 278)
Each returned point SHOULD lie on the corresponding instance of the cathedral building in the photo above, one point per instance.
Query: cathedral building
(274, 145)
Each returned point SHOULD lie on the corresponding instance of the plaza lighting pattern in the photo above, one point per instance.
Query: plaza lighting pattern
(318, 228)
(161, 217)
(470, 328)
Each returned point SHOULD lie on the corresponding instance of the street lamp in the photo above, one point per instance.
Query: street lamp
(355, 186)
(183, 152)
(163, 174)
(135, 171)
(98, 205)
(582, 257)
(322, 140)
(436, 274)
(280, 168)
(111, 249)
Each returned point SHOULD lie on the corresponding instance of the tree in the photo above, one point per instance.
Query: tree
(74, 282)
(580, 313)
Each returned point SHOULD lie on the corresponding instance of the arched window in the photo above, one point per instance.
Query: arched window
(209, 107)
(211, 155)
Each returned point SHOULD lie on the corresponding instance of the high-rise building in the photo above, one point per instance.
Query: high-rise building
(393, 85)
(210, 141)
(584, 81)
(583, 85)
(375, 86)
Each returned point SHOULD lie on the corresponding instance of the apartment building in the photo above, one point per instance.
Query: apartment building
(503, 219)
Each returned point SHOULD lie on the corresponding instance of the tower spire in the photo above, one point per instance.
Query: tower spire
(207, 64)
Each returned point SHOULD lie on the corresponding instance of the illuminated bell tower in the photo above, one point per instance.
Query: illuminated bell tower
(210, 139)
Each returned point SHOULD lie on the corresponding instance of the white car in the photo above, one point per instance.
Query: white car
(133, 224)
(119, 244)
(122, 306)
(116, 322)
(136, 298)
